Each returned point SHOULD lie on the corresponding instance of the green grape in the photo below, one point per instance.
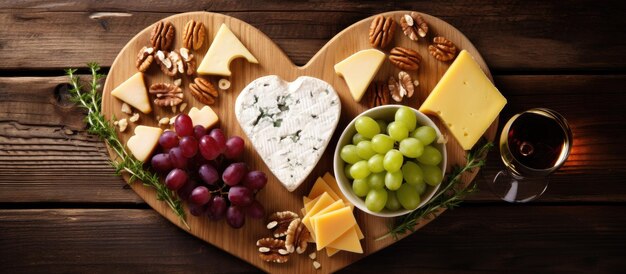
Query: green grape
(398, 131)
(432, 175)
(421, 188)
(366, 126)
(376, 199)
(360, 187)
(349, 154)
(411, 147)
(383, 126)
(412, 173)
(346, 170)
(359, 170)
(382, 143)
(364, 150)
(425, 134)
(431, 156)
(358, 138)
(375, 164)
(393, 160)
(408, 197)
(376, 180)
(407, 116)
(393, 180)
(392, 201)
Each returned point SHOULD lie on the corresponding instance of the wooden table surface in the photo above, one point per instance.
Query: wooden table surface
(62, 209)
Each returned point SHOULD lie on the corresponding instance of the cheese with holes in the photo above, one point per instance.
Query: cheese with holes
(142, 144)
(205, 117)
(225, 48)
(465, 100)
(359, 69)
(133, 92)
(330, 226)
(289, 123)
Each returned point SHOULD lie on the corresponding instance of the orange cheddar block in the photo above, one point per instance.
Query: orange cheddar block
(332, 207)
(330, 226)
(323, 201)
(310, 204)
(320, 187)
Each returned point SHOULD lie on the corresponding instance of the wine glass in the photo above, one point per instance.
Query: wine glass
(533, 144)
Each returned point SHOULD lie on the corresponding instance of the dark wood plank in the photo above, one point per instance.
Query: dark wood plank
(471, 239)
(40, 161)
(545, 35)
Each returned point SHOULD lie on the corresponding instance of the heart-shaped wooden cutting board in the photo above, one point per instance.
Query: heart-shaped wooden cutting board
(273, 61)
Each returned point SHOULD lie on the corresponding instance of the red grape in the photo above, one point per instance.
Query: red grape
(177, 158)
(255, 210)
(186, 190)
(161, 162)
(183, 125)
(208, 148)
(218, 208)
(168, 140)
(233, 174)
(255, 180)
(200, 195)
(234, 147)
(199, 210)
(218, 135)
(176, 179)
(208, 174)
(199, 131)
(189, 146)
(235, 217)
(240, 196)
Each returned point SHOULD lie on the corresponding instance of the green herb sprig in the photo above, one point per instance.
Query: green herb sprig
(97, 124)
(448, 196)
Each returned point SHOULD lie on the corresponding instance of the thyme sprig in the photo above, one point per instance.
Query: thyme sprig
(97, 124)
(448, 196)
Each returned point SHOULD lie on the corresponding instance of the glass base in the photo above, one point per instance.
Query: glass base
(516, 189)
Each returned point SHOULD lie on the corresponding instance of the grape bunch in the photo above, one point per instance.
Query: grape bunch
(203, 170)
(391, 164)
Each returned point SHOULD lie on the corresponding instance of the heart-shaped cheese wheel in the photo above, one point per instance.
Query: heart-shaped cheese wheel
(289, 123)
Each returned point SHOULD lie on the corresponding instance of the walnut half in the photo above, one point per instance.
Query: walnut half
(297, 237)
(279, 222)
(272, 250)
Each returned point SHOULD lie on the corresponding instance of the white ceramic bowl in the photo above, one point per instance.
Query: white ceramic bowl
(387, 113)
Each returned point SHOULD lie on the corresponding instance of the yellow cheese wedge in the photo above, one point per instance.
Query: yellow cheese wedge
(329, 226)
(133, 92)
(331, 251)
(143, 142)
(332, 183)
(323, 201)
(225, 48)
(320, 187)
(348, 241)
(359, 69)
(205, 117)
(465, 100)
(310, 204)
(332, 207)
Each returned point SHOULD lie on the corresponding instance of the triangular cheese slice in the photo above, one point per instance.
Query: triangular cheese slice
(133, 92)
(143, 142)
(359, 69)
(205, 117)
(320, 187)
(329, 226)
(348, 241)
(225, 48)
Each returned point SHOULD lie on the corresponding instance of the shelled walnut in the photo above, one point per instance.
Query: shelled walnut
(166, 64)
(163, 35)
(279, 222)
(203, 90)
(381, 31)
(442, 49)
(167, 94)
(144, 59)
(189, 61)
(272, 250)
(414, 26)
(297, 237)
(401, 87)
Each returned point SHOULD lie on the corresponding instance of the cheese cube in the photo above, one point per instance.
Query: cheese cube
(225, 48)
(133, 92)
(465, 100)
(359, 69)
(205, 117)
(329, 226)
(143, 142)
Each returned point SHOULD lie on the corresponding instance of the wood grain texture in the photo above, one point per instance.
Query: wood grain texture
(523, 238)
(272, 61)
(533, 35)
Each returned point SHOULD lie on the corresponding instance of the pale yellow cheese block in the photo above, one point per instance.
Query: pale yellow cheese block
(465, 100)
(225, 48)
(359, 69)
(205, 117)
(133, 92)
(329, 226)
(143, 142)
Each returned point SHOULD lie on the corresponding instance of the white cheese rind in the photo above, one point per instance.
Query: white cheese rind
(289, 124)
